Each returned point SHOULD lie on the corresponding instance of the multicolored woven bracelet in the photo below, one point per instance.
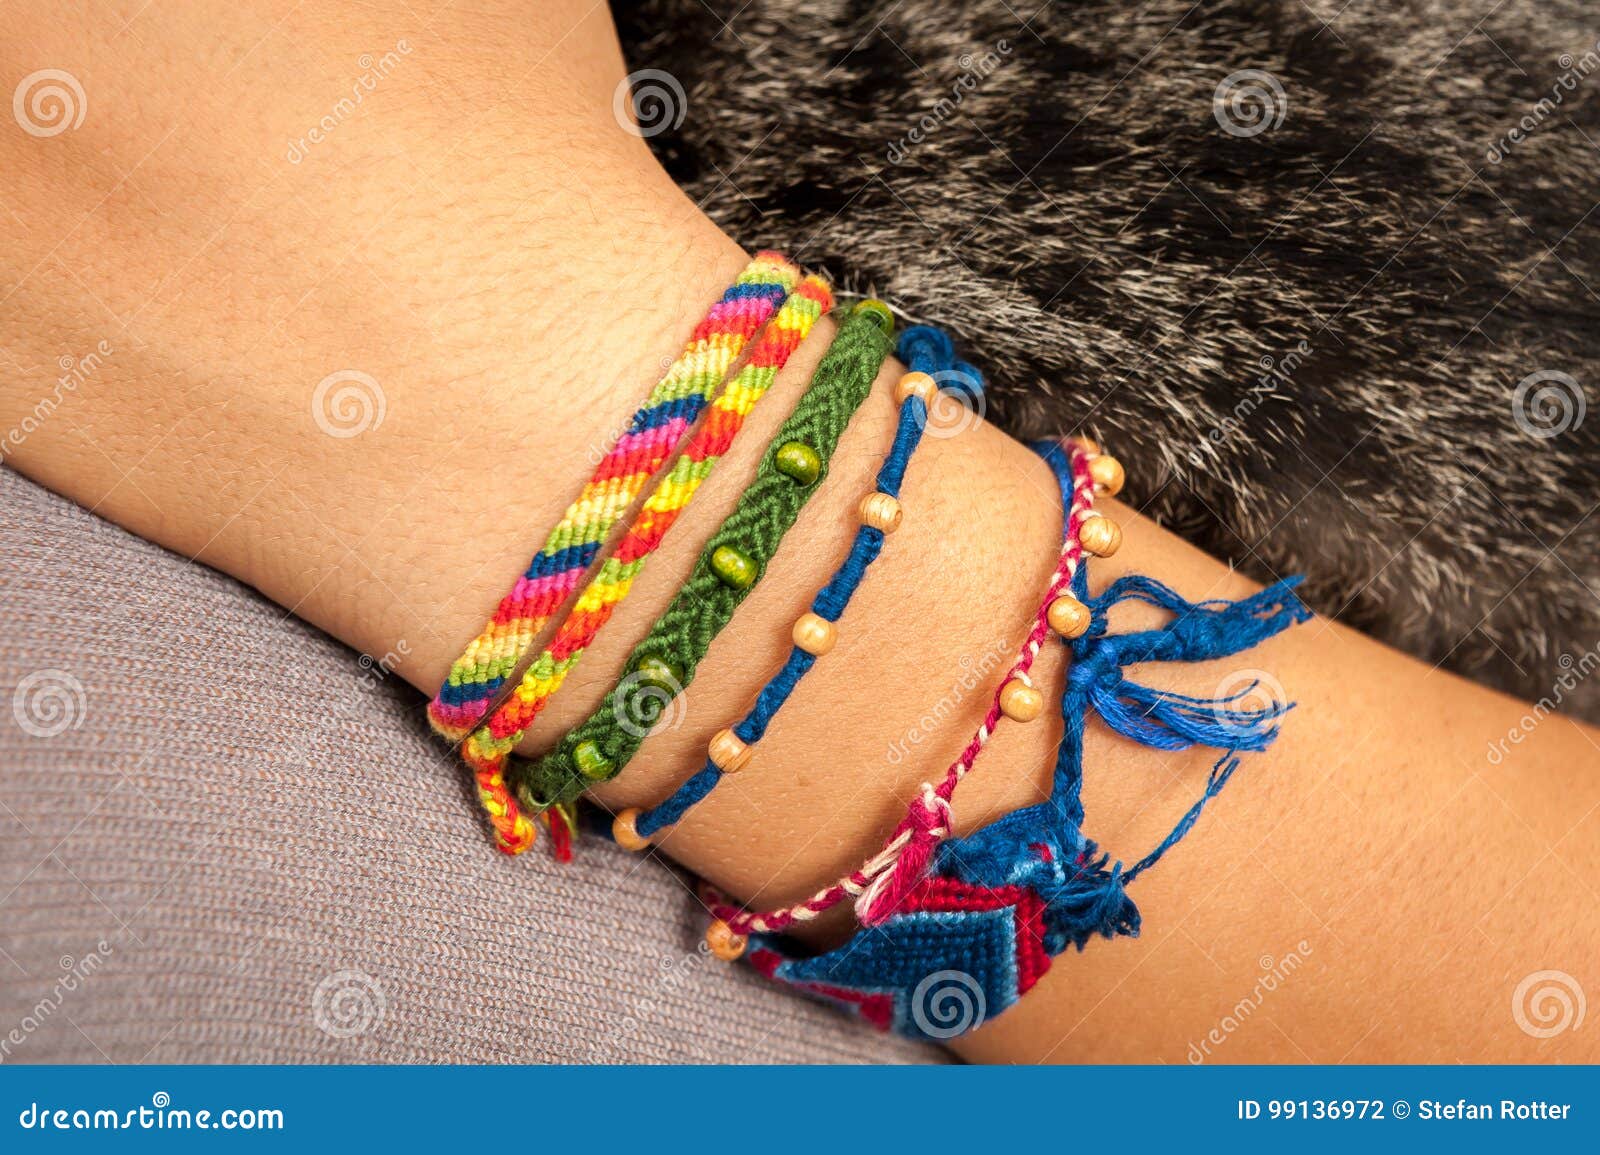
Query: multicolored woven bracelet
(487, 749)
(674, 405)
(730, 566)
(981, 925)
(927, 352)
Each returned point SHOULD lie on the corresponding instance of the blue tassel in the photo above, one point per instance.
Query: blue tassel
(1165, 719)
(1220, 773)
(1094, 902)
(1198, 631)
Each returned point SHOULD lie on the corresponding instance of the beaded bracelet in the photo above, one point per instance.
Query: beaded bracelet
(489, 746)
(675, 404)
(983, 923)
(905, 856)
(926, 351)
(729, 567)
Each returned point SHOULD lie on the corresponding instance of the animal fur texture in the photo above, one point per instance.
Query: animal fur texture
(1323, 275)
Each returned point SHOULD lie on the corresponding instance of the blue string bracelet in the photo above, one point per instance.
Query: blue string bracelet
(930, 356)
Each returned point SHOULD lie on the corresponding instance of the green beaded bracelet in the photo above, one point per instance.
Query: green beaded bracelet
(729, 567)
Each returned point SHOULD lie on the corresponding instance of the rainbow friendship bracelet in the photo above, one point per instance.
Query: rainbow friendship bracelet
(927, 351)
(673, 406)
(490, 745)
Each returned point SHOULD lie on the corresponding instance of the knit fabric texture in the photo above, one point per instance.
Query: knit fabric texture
(183, 804)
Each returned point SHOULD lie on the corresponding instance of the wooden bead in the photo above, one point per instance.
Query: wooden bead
(814, 634)
(728, 753)
(1088, 444)
(916, 384)
(735, 569)
(1068, 616)
(1107, 474)
(726, 945)
(1021, 702)
(1100, 536)
(880, 511)
(625, 829)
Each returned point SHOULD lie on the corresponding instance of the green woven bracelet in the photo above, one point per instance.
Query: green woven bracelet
(731, 565)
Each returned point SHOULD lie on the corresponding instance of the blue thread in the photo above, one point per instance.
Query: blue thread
(1041, 849)
(924, 349)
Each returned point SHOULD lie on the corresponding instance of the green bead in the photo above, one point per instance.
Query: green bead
(591, 763)
(735, 569)
(644, 696)
(881, 313)
(659, 672)
(798, 460)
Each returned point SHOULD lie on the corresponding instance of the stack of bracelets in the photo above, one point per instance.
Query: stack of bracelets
(953, 930)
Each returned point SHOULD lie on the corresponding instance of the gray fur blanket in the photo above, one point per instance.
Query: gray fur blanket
(1324, 274)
